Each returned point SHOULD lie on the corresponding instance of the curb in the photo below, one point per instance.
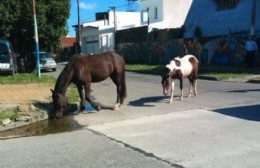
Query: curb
(208, 78)
(243, 80)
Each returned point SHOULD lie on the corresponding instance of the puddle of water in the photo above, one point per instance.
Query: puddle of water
(67, 123)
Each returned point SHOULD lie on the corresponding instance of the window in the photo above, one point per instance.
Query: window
(226, 4)
(144, 16)
(155, 13)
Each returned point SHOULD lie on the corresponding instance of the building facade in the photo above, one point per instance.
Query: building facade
(163, 14)
(99, 35)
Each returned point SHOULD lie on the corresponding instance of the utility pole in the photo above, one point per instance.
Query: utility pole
(36, 40)
(253, 17)
(115, 26)
(78, 46)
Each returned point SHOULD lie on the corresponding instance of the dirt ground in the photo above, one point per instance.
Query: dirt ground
(24, 93)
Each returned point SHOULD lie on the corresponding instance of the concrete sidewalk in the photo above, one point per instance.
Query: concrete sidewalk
(192, 138)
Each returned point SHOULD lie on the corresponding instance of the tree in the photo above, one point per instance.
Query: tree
(17, 23)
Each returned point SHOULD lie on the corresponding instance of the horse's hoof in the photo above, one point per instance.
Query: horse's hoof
(116, 107)
(181, 99)
(170, 101)
(76, 112)
(97, 108)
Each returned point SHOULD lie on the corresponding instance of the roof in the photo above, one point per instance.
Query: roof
(67, 41)
(213, 22)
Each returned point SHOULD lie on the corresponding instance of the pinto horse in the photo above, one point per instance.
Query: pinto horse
(179, 68)
(83, 71)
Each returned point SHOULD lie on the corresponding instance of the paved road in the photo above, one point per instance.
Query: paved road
(218, 128)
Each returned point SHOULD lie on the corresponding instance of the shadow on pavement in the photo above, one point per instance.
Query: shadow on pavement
(251, 112)
(244, 91)
(145, 101)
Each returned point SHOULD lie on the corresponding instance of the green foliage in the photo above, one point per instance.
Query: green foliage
(17, 23)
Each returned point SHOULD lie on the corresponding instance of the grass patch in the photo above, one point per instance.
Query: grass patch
(145, 68)
(224, 76)
(12, 115)
(72, 94)
(26, 78)
(218, 72)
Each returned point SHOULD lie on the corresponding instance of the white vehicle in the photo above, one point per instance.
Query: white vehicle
(46, 61)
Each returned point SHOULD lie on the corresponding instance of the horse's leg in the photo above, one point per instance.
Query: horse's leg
(87, 96)
(82, 97)
(172, 91)
(118, 82)
(123, 88)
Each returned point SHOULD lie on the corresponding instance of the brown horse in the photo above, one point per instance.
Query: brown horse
(82, 72)
(179, 68)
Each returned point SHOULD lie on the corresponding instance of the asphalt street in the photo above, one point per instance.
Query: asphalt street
(218, 128)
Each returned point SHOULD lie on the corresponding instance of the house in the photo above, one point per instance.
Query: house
(217, 19)
(99, 35)
(67, 42)
(66, 48)
(226, 23)
(164, 14)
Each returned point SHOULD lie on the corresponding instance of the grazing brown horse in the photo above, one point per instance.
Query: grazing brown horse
(82, 72)
(179, 68)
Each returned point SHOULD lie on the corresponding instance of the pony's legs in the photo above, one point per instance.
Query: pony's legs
(191, 86)
(172, 91)
(181, 87)
(195, 87)
(190, 90)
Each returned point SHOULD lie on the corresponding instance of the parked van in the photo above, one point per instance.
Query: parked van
(7, 58)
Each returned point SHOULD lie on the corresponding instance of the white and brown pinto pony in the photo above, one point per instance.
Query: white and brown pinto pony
(180, 68)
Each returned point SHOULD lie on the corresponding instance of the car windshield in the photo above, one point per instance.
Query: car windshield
(4, 58)
(44, 55)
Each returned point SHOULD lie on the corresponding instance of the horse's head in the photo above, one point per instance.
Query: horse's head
(59, 103)
(166, 80)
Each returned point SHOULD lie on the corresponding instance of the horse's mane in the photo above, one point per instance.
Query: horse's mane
(62, 81)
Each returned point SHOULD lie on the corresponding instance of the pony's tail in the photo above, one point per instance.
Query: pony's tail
(123, 93)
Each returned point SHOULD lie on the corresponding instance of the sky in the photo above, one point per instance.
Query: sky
(88, 8)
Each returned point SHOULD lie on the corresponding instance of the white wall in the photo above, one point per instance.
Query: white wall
(171, 13)
(105, 30)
